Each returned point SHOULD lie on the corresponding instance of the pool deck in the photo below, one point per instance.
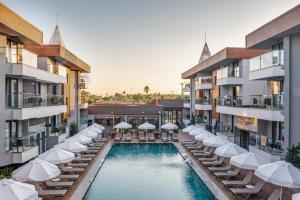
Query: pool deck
(79, 191)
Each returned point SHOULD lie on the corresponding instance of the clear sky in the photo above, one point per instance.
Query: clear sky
(133, 43)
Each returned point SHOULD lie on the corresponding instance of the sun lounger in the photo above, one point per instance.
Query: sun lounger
(209, 159)
(71, 177)
(71, 170)
(209, 153)
(123, 138)
(188, 142)
(175, 137)
(215, 163)
(196, 147)
(275, 195)
(118, 137)
(193, 143)
(205, 149)
(249, 191)
(238, 183)
(164, 137)
(91, 151)
(142, 137)
(94, 148)
(59, 184)
(151, 137)
(228, 174)
(50, 193)
(128, 137)
(217, 169)
(103, 140)
(81, 165)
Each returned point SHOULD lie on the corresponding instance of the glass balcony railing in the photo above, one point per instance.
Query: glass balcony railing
(18, 55)
(59, 129)
(20, 100)
(204, 80)
(228, 72)
(264, 143)
(236, 101)
(203, 101)
(24, 143)
(83, 120)
(274, 101)
(270, 59)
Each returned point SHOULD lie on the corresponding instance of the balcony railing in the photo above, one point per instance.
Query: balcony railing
(59, 129)
(264, 143)
(18, 55)
(203, 101)
(271, 102)
(270, 59)
(83, 120)
(25, 100)
(24, 143)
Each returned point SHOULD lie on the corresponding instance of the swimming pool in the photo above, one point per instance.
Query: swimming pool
(147, 172)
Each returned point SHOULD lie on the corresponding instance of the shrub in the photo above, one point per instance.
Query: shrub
(293, 155)
(73, 128)
(5, 172)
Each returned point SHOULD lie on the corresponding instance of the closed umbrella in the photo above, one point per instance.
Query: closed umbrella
(248, 160)
(279, 173)
(146, 126)
(81, 139)
(169, 126)
(36, 170)
(188, 128)
(203, 136)
(57, 156)
(229, 150)
(71, 145)
(123, 125)
(216, 141)
(13, 190)
(88, 133)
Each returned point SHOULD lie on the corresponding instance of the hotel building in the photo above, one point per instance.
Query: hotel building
(250, 95)
(39, 86)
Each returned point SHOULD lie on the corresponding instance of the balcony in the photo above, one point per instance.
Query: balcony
(204, 83)
(266, 107)
(24, 63)
(58, 134)
(187, 103)
(267, 66)
(186, 87)
(24, 148)
(203, 104)
(229, 76)
(26, 106)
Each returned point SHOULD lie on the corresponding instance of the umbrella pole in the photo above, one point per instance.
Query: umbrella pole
(280, 192)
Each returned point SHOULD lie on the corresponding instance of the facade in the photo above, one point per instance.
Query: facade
(254, 96)
(39, 84)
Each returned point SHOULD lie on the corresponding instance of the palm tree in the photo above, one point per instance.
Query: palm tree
(146, 89)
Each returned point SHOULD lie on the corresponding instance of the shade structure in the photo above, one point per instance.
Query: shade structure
(248, 160)
(279, 173)
(196, 131)
(57, 156)
(36, 170)
(203, 136)
(229, 150)
(169, 126)
(188, 128)
(81, 139)
(71, 145)
(98, 126)
(94, 129)
(13, 190)
(296, 196)
(146, 126)
(216, 141)
(123, 125)
(88, 133)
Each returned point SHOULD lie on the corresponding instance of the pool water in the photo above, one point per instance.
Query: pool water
(146, 172)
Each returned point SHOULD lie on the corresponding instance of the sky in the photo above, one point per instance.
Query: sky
(133, 43)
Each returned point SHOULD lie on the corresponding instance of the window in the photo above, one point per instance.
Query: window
(11, 132)
(12, 92)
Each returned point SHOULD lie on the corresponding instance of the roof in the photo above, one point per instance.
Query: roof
(125, 109)
(13, 25)
(285, 24)
(61, 54)
(205, 53)
(56, 37)
(223, 57)
(171, 103)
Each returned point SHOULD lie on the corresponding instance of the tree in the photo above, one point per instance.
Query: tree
(146, 89)
(293, 155)
(73, 128)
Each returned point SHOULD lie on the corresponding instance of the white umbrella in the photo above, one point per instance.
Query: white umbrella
(123, 125)
(203, 136)
(188, 128)
(279, 173)
(169, 126)
(146, 126)
(229, 150)
(92, 128)
(248, 160)
(81, 139)
(71, 145)
(296, 196)
(216, 141)
(13, 190)
(98, 126)
(196, 131)
(88, 133)
(57, 156)
(36, 170)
